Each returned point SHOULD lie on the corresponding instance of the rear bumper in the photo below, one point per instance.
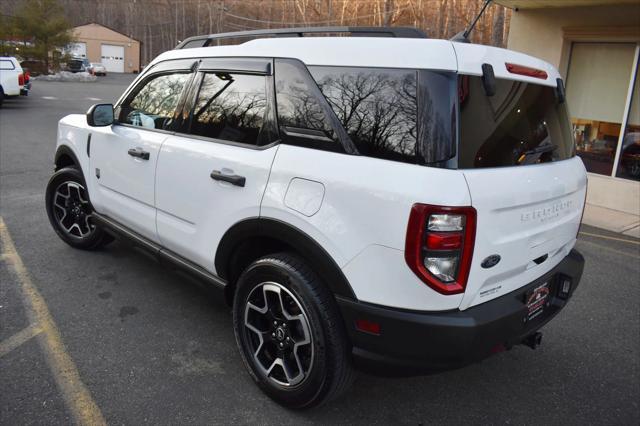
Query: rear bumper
(414, 342)
(24, 90)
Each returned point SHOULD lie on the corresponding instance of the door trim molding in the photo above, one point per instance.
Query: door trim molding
(160, 252)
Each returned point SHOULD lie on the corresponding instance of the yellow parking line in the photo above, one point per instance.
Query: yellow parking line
(77, 397)
(600, 246)
(606, 237)
(18, 339)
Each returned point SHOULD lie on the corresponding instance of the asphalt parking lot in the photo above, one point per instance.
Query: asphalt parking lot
(147, 346)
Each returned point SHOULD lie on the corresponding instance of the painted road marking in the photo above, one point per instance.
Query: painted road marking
(94, 99)
(18, 339)
(606, 237)
(77, 397)
(50, 98)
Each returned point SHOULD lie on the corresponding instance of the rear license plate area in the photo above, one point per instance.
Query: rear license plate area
(537, 299)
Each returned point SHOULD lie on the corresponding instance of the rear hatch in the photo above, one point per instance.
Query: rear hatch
(75, 65)
(516, 151)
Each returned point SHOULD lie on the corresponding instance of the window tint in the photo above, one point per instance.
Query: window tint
(521, 124)
(154, 105)
(377, 108)
(231, 107)
(6, 65)
(301, 116)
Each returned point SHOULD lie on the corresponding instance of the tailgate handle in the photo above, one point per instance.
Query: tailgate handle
(541, 259)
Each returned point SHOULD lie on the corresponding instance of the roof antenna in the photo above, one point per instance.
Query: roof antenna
(463, 36)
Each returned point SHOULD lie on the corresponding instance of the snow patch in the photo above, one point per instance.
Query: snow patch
(83, 77)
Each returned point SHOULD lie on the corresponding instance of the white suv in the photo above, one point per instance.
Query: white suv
(398, 203)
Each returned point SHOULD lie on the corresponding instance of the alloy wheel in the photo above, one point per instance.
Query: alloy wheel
(278, 334)
(72, 210)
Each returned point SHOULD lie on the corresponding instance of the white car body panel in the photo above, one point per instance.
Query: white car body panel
(380, 275)
(125, 190)
(194, 211)
(73, 133)
(339, 51)
(366, 203)
(523, 213)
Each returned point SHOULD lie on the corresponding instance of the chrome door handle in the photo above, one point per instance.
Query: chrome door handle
(138, 153)
(232, 179)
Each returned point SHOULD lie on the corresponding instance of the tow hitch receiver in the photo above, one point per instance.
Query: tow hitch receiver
(533, 340)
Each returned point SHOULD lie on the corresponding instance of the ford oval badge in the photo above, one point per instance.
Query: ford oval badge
(491, 261)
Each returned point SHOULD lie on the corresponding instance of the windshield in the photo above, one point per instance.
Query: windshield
(521, 124)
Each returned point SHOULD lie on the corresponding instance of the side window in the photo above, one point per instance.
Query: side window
(377, 107)
(301, 116)
(153, 105)
(6, 65)
(231, 107)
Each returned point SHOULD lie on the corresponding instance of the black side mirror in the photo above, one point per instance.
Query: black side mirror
(100, 115)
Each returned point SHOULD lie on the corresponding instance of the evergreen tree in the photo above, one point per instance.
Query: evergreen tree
(43, 22)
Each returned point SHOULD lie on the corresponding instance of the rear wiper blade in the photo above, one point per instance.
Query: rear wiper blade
(538, 150)
(541, 149)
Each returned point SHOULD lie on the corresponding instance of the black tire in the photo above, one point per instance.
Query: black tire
(326, 361)
(1, 97)
(70, 216)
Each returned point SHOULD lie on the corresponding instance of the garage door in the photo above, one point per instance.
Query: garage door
(112, 58)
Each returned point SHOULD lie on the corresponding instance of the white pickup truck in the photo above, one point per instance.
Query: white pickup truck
(12, 78)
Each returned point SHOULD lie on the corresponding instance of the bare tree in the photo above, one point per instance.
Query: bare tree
(160, 24)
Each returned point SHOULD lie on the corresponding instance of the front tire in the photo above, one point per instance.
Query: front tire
(70, 211)
(290, 332)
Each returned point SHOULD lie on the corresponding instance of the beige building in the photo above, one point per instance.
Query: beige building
(595, 45)
(118, 52)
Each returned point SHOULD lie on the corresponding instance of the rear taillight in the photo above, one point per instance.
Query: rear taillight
(439, 245)
(20, 79)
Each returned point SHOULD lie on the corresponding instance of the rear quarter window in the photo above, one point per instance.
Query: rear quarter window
(6, 64)
(394, 114)
(377, 108)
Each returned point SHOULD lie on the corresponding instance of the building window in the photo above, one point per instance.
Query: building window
(629, 163)
(598, 84)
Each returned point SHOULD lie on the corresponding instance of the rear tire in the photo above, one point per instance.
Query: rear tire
(290, 333)
(70, 211)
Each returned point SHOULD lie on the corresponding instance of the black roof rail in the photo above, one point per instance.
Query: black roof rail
(400, 32)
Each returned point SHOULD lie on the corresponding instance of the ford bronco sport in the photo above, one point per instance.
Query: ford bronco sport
(389, 202)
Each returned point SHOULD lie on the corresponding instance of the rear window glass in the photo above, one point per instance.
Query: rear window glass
(521, 124)
(394, 114)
